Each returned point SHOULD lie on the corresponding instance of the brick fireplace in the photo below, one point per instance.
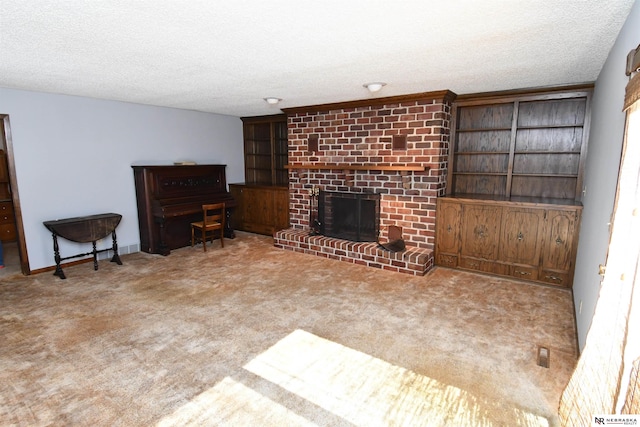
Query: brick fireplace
(396, 147)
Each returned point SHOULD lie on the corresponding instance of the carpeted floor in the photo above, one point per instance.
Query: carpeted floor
(251, 335)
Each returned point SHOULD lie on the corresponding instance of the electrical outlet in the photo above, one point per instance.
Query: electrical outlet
(580, 308)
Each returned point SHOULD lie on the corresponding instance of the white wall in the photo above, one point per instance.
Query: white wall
(73, 157)
(601, 175)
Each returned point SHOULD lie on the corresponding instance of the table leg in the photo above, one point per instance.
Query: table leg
(56, 256)
(116, 257)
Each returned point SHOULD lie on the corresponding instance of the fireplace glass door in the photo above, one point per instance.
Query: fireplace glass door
(349, 216)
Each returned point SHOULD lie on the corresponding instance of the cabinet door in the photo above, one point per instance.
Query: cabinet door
(281, 208)
(254, 206)
(447, 227)
(281, 154)
(266, 150)
(560, 236)
(481, 228)
(521, 235)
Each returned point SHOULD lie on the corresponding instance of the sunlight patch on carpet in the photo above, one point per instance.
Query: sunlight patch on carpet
(230, 403)
(367, 391)
(354, 386)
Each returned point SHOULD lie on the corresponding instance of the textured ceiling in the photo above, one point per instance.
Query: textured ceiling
(226, 56)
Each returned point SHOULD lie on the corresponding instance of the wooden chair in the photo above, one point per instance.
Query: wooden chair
(212, 223)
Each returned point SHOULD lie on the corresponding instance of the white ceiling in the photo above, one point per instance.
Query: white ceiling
(226, 56)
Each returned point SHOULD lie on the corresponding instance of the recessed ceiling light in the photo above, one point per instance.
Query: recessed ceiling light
(272, 100)
(374, 86)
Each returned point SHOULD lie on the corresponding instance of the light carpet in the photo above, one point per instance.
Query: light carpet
(253, 335)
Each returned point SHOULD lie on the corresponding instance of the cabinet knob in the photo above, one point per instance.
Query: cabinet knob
(559, 241)
(449, 228)
(479, 231)
(553, 278)
(520, 236)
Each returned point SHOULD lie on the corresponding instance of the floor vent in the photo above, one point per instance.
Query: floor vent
(543, 356)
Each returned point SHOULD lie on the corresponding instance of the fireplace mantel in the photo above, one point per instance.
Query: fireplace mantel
(350, 170)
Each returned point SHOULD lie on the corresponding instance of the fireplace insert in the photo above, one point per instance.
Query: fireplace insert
(349, 216)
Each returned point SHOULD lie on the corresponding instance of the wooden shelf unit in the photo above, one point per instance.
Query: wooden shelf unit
(263, 199)
(529, 145)
(266, 150)
(514, 184)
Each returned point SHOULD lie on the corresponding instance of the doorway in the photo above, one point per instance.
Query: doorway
(11, 225)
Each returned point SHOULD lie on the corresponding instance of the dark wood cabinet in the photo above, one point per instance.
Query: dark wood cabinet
(531, 241)
(266, 150)
(260, 209)
(515, 177)
(263, 199)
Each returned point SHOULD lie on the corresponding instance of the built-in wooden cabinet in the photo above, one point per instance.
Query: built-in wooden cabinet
(260, 209)
(514, 184)
(524, 240)
(520, 145)
(266, 150)
(263, 199)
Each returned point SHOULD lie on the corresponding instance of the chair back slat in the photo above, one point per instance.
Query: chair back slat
(214, 213)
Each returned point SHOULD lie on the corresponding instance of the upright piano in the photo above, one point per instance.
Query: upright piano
(170, 198)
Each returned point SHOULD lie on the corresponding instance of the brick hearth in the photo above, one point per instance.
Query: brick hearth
(413, 260)
(369, 138)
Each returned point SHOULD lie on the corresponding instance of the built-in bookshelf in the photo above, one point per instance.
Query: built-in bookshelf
(525, 145)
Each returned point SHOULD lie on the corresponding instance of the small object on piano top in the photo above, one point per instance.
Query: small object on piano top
(184, 163)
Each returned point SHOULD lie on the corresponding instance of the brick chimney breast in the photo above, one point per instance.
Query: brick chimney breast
(371, 136)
